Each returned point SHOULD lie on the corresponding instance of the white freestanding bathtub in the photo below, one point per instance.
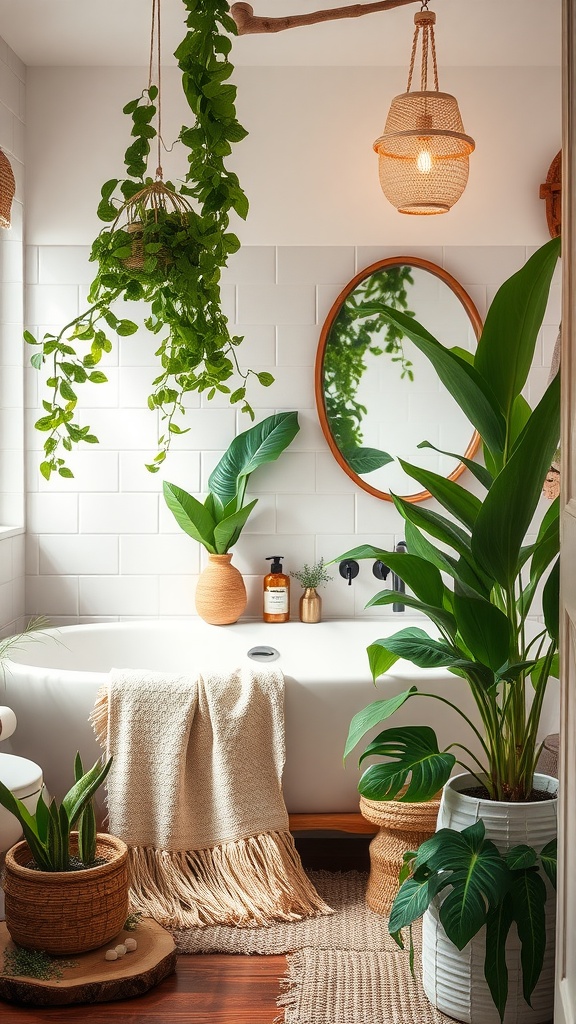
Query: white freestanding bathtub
(52, 684)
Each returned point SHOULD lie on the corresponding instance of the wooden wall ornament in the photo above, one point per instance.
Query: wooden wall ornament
(551, 192)
(249, 23)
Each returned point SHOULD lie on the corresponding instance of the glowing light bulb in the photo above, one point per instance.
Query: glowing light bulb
(424, 161)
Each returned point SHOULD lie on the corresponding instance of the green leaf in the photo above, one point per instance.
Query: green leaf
(413, 898)
(380, 658)
(510, 504)
(506, 346)
(125, 328)
(442, 618)
(498, 923)
(82, 791)
(191, 515)
(260, 444)
(480, 472)
(479, 878)
(373, 715)
(365, 460)
(528, 894)
(549, 859)
(97, 377)
(485, 630)
(37, 360)
(412, 751)
(521, 857)
(462, 504)
(416, 646)
(551, 601)
(265, 378)
(228, 530)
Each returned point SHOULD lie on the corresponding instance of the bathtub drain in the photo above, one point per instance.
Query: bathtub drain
(263, 653)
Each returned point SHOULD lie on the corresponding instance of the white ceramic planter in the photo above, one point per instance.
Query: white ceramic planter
(454, 979)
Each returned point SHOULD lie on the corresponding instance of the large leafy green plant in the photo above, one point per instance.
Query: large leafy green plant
(482, 889)
(183, 243)
(47, 831)
(471, 571)
(218, 522)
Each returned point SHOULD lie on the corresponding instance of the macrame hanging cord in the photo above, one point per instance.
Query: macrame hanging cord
(155, 52)
(424, 23)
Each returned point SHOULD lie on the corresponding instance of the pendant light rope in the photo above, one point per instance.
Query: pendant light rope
(155, 37)
(424, 24)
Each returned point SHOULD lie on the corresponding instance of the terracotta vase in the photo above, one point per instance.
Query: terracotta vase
(220, 594)
(310, 606)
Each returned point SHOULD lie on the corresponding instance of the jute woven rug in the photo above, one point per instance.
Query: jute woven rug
(343, 969)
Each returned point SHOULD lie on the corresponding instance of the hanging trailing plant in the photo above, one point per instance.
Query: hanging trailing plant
(164, 244)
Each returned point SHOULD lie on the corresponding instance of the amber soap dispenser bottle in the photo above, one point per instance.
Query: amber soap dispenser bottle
(276, 592)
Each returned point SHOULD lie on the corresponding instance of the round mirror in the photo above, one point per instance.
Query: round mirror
(377, 395)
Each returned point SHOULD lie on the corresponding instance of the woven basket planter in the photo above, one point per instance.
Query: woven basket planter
(402, 827)
(67, 912)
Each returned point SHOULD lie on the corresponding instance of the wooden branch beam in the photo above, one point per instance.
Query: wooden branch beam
(249, 23)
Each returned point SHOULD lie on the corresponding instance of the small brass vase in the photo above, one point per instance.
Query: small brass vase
(310, 606)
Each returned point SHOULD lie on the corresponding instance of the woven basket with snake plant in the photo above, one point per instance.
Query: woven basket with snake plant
(67, 912)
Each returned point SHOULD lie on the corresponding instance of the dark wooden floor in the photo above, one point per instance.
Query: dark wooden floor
(207, 989)
(214, 989)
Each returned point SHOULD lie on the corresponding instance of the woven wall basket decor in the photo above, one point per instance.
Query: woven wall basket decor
(7, 190)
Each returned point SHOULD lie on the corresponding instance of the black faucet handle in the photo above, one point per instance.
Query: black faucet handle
(380, 570)
(349, 570)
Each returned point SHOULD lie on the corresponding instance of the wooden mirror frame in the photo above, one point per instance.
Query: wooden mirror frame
(551, 192)
(476, 321)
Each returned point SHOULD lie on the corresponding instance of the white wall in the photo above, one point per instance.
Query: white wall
(12, 100)
(103, 545)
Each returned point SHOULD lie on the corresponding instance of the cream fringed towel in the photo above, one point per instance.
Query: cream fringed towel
(195, 792)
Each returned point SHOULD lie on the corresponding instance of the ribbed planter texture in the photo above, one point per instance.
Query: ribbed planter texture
(67, 912)
(220, 594)
(454, 979)
(401, 827)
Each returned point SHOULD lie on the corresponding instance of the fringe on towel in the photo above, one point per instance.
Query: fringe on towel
(249, 883)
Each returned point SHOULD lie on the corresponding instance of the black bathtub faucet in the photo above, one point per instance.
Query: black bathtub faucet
(398, 585)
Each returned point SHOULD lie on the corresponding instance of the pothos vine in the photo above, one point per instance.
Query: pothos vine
(168, 253)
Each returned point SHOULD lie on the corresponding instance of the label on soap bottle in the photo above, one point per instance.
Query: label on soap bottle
(276, 600)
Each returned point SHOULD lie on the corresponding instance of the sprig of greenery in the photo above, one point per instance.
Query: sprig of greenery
(183, 256)
(312, 575)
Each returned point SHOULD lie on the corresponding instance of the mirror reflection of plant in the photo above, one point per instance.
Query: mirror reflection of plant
(350, 341)
(183, 240)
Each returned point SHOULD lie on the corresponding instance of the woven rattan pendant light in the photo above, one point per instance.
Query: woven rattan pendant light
(423, 151)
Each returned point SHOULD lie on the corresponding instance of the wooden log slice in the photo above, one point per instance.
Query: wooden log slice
(94, 979)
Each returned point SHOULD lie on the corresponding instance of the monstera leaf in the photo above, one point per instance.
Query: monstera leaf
(413, 753)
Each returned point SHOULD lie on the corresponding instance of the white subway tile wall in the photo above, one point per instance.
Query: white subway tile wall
(104, 546)
(12, 558)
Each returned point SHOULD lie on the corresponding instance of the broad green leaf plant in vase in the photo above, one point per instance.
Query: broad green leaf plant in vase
(218, 521)
(485, 881)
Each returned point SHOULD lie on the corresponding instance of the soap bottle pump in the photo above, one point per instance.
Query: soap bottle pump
(276, 592)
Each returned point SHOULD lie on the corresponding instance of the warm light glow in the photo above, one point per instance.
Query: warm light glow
(424, 161)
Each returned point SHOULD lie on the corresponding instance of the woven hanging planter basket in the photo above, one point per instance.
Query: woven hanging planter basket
(7, 190)
(152, 203)
(402, 827)
(67, 912)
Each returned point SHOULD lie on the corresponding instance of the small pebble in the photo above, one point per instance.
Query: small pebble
(111, 954)
(120, 950)
(130, 944)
